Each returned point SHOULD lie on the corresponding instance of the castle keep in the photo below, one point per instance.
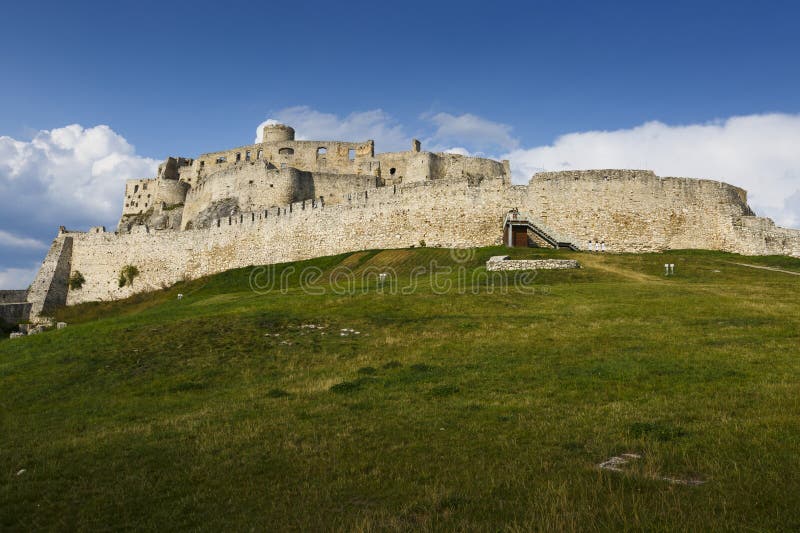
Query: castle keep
(285, 199)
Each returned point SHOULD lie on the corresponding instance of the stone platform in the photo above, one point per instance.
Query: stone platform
(502, 262)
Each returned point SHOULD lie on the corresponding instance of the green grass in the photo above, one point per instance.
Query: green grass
(472, 410)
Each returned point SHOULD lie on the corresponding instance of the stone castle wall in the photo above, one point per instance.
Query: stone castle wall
(405, 167)
(15, 313)
(51, 285)
(760, 236)
(310, 156)
(286, 200)
(649, 213)
(453, 214)
(637, 211)
(13, 296)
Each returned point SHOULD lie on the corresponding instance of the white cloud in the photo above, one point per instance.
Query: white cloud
(460, 150)
(756, 152)
(375, 124)
(70, 175)
(470, 130)
(17, 278)
(13, 241)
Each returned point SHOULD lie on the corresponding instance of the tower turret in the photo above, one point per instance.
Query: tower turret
(278, 133)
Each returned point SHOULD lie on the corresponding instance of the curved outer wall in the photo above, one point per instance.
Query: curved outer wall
(628, 210)
(170, 192)
(637, 211)
(278, 133)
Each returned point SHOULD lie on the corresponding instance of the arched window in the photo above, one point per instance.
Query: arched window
(247, 155)
(135, 189)
(238, 157)
(322, 151)
(286, 151)
(351, 154)
(259, 154)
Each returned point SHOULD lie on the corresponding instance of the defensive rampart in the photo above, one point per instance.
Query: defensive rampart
(651, 214)
(285, 199)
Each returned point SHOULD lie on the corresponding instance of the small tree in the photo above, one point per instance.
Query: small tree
(127, 275)
(76, 280)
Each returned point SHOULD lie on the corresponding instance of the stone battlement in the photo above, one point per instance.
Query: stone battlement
(286, 200)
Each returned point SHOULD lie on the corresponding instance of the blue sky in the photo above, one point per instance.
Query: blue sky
(182, 78)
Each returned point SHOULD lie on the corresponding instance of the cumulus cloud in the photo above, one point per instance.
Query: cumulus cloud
(310, 124)
(756, 152)
(470, 130)
(73, 175)
(459, 150)
(17, 278)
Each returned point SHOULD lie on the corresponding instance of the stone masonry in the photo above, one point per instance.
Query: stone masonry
(285, 200)
(501, 263)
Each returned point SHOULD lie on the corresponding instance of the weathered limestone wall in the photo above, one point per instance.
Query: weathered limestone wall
(455, 166)
(405, 167)
(13, 296)
(171, 168)
(635, 210)
(451, 213)
(144, 194)
(255, 186)
(335, 188)
(760, 236)
(249, 185)
(49, 288)
(138, 196)
(310, 156)
(15, 313)
(502, 263)
(420, 166)
(627, 210)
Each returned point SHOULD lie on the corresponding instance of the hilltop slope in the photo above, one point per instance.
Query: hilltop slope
(447, 402)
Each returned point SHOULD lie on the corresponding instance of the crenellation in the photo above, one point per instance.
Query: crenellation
(285, 199)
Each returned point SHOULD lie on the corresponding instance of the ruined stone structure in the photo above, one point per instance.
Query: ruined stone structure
(286, 199)
(502, 263)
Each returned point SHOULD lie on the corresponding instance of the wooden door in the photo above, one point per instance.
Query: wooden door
(520, 237)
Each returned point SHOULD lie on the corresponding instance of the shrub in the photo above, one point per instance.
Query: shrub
(76, 280)
(127, 275)
(422, 243)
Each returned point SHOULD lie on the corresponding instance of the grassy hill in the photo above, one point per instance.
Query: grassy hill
(454, 401)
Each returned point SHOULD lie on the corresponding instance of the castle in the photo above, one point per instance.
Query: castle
(285, 199)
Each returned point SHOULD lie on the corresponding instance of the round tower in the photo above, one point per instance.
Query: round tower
(278, 133)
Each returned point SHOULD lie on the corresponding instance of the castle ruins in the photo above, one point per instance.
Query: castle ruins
(285, 199)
